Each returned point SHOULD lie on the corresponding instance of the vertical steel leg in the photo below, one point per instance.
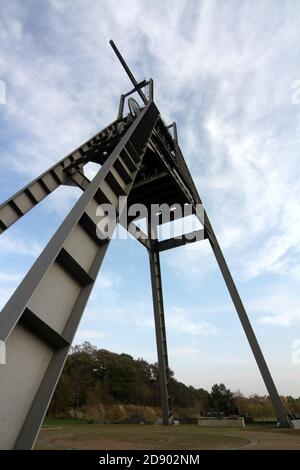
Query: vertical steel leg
(160, 329)
(280, 410)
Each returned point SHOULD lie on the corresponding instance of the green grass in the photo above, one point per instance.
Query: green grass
(109, 436)
(63, 422)
(264, 424)
(76, 434)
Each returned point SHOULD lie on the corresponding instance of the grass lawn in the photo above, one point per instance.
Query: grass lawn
(48, 422)
(62, 434)
(77, 434)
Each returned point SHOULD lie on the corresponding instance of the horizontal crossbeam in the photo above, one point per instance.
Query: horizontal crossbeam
(175, 242)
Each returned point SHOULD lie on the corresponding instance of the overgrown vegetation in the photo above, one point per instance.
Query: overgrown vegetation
(99, 384)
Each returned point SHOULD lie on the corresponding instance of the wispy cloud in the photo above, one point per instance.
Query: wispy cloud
(18, 246)
(6, 277)
(5, 293)
(223, 71)
(179, 320)
(280, 309)
(88, 335)
(237, 134)
(182, 352)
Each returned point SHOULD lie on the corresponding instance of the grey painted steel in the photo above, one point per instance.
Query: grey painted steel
(44, 312)
(30, 195)
(160, 327)
(188, 189)
(175, 135)
(281, 412)
(128, 71)
(40, 320)
(191, 237)
(24, 200)
(121, 106)
(82, 181)
(138, 234)
(30, 428)
(156, 145)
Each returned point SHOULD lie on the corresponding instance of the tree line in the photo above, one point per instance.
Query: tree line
(94, 381)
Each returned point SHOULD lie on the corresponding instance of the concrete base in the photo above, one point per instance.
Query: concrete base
(223, 422)
(296, 423)
(171, 421)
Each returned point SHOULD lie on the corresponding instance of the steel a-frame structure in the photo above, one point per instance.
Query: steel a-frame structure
(140, 160)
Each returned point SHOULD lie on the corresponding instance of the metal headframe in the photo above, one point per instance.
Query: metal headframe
(140, 160)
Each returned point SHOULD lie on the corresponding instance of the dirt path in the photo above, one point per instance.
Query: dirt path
(272, 440)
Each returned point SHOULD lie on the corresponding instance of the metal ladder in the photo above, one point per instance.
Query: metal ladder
(160, 328)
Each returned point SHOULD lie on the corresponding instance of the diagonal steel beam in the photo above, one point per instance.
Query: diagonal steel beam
(128, 71)
(82, 181)
(281, 412)
(39, 322)
(30, 195)
(33, 193)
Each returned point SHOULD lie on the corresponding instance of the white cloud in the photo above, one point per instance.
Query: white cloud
(223, 70)
(61, 201)
(182, 352)
(9, 282)
(88, 335)
(91, 169)
(7, 277)
(237, 124)
(280, 309)
(178, 320)
(5, 293)
(18, 246)
(181, 321)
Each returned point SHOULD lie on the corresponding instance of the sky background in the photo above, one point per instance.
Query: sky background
(225, 72)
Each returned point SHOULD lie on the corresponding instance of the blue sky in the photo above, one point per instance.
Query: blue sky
(224, 71)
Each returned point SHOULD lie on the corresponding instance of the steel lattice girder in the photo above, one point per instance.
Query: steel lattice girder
(39, 321)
